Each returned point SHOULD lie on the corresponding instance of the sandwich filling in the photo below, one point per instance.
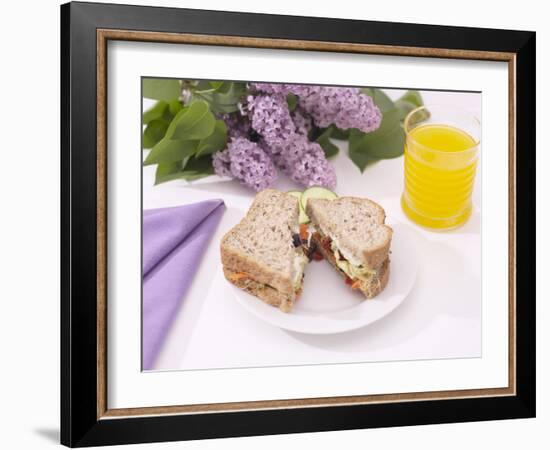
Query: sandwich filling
(353, 271)
(299, 266)
(357, 276)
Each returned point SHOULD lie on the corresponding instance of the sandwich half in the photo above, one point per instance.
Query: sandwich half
(352, 236)
(263, 254)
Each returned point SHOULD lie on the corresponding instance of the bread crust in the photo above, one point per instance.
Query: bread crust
(376, 254)
(384, 277)
(268, 294)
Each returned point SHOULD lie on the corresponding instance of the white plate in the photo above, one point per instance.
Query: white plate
(327, 305)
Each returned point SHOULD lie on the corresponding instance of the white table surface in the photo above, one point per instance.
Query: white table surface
(441, 317)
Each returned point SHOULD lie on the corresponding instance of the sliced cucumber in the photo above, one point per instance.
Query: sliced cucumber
(303, 216)
(296, 194)
(316, 192)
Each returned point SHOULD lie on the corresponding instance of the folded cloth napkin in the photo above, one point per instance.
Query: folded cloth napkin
(174, 240)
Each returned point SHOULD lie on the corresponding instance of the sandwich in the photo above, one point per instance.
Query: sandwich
(351, 235)
(263, 254)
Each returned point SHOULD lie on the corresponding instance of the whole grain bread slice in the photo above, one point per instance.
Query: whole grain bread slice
(357, 227)
(261, 246)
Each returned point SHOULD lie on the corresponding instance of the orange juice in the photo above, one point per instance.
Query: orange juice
(440, 169)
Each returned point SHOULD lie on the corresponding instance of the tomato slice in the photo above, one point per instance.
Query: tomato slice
(317, 256)
(304, 234)
(326, 243)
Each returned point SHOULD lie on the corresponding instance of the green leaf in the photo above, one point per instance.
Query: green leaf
(174, 122)
(194, 122)
(167, 172)
(207, 87)
(292, 102)
(227, 87)
(161, 89)
(224, 99)
(386, 142)
(337, 133)
(412, 97)
(360, 159)
(170, 150)
(324, 141)
(215, 142)
(155, 112)
(189, 169)
(404, 107)
(195, 176)
(200, 85)
(154, 132)
(216, 84)
(380, 99)
(174, 107)
(407, 102)
(197, 168)
(356, 153)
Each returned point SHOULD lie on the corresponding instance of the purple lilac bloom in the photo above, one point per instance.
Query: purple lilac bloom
(270, 117)
(304, 162)
(274, 152)
(344, 107)
(313, 169)
(246, 161)
(237, 125)
(302, 121)
(221, 162)
(271, 88)
(281, 88)
(283, 140)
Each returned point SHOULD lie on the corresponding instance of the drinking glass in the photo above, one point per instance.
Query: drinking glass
(441, 154)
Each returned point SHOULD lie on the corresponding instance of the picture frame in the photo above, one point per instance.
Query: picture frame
(86, 418)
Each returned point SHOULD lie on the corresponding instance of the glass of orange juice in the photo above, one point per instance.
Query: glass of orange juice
(441, 154)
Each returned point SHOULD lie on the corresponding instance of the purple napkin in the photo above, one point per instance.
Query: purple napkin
(174, 240)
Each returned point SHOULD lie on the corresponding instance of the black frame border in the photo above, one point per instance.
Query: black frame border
(79, 423)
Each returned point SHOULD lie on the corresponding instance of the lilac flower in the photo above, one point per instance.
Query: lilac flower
(282, 136)
(271, 88)
(247, 162)
(281, 88)
(221, 162)
(237, 125)
(314, 170)
(344, 107)
(304, 162)
(302, 121)
(270, 117)
(274, 153)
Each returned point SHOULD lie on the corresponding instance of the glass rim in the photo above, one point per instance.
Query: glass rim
(471, 149)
